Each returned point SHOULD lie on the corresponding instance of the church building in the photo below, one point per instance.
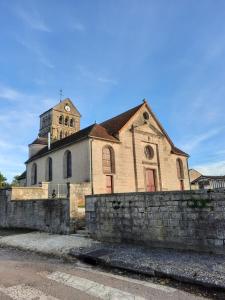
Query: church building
(127, 153)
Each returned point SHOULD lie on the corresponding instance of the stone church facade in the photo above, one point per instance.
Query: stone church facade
(130, 152)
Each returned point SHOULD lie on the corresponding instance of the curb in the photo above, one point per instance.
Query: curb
(93, 260)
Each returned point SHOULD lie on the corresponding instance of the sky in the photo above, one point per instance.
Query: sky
(108, 56)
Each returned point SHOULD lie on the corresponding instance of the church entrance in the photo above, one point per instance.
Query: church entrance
(109, 184)
(150, 180)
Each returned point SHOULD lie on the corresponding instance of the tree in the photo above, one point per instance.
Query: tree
(2, 181)
(15, 181)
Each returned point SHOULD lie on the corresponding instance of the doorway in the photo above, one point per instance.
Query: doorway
(150, 180)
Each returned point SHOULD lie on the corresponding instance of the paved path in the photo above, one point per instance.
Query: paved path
(26, 276)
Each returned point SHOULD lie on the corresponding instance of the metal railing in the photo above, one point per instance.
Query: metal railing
(57, 190)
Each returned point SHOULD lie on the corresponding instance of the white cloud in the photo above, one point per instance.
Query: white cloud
(36, 49)
(33, 19)
(9, 93)
(216, 168)
(5, 145)
(195, 141)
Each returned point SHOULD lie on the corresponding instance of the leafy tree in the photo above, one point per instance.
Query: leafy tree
(15, 181)
(2, 181)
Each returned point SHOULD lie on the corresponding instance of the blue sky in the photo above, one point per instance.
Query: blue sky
(107, 56)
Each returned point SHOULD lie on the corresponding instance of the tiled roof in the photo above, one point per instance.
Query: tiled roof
(208, 177)
(116, 123)
(107, 130)
(40, 141)
(94, 130)
(176, 150)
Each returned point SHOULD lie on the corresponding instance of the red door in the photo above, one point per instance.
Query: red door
(109, 184)
(150, 181)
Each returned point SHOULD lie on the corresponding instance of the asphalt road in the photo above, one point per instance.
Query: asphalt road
(26, 276)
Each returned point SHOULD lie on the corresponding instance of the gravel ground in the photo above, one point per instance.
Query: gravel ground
(204, 269)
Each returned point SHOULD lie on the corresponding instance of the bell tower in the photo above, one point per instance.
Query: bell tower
(61, 121)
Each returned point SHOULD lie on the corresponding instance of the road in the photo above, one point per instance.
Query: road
(26, 276)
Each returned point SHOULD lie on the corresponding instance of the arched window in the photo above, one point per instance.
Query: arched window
(71, 122)
(149, 152)
(67, 164)
(61, 120)
(61, 135)
(34, 174)
(66, 121)
(180, 169)
(108, 160)
(48, 173)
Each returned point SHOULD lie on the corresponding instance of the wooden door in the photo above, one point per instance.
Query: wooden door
(109, 184)
(150, 180)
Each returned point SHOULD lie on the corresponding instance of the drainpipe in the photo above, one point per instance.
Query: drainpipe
(91, 165)
(134, 159)
(188, 173)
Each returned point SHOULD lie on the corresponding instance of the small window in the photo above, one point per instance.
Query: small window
(67, 164)
(66, 121)
(34, 174)
(180, 169)
(72, 123)
(61, 135)
(61, 120)
(146, 115)
(108, 160)
(149, 152)
(48, 176)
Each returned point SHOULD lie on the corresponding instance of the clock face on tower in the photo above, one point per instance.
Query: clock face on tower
(67, 108)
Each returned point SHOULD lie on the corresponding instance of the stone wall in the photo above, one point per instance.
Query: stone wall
(45, 215)
(29, 193)
(183, 220)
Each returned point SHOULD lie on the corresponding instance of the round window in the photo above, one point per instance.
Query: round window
(149, 152)
(146, 115)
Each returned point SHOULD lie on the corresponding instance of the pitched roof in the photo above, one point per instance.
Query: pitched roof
(107, 130)
(40, 141)
(114, 124)
(95, 130)
(58, 104)
(176, 150)
(207, 177)
(22, 176)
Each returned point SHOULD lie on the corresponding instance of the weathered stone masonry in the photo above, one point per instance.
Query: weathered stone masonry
(46, 215)
(184, 220)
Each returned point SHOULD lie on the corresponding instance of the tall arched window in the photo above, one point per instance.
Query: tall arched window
(34, 174)
(71, 122)
(66, 121)
(61, 135)
(48, 173)
(67, 164)
(61, 120)
(180, 169)
(108, 160)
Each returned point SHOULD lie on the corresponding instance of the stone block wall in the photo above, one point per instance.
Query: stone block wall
(182, 220)
(29, 193)
(44, 215)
